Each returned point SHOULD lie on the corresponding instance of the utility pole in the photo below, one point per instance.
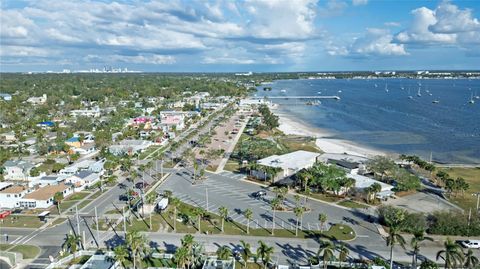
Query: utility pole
(478, 200)
(96, 222)
(206, 196)
(78, 220)
(124, 223)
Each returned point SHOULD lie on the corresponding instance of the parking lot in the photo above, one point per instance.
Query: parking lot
(229, 190)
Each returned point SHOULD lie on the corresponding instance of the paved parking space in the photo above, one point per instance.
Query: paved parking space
(421, 202)
(227, 189)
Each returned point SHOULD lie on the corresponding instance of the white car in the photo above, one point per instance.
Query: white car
(471, 244)
(162, 204)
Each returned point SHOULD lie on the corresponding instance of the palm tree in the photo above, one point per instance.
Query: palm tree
(452, 254)
(274, 204)
(72, 243)
(374, 189)
(137, 244)
(174, 202)
(246, 252)
(57, 199)
(342, 253)
(224, 215)
(120, 253)
(298, 210)
(200, 213)
(248, 215)
(394, 237)
(326, 250)
(150, 199)
(167, 194)
(224, 253)
(418, 237)
(181, 257)
(264, 252)
(471, 261)
(322, 217)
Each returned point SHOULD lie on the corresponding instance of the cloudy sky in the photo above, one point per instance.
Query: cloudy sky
(250, 35)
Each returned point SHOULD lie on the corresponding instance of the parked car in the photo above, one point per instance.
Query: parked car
(471, 244)
(141, 185)
(259, 194)
(124, 197)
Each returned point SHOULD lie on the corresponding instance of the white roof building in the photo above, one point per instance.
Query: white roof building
(363, 182)
(292, 162)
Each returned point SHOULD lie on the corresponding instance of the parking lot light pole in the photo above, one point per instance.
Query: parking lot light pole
(478, 199)
(206, 197)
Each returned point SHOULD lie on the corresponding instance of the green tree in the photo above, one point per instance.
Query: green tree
(120, 253)
(264, 252)
(417, 239)
(224, 215)
(246, 252)
(174, 202)
(72, 243)
(200, 213)
(381, 165)
(343, 253)
(57, 199)
(326, 250)
(137, 244)
(322, 217)
(452, 254)
(471, 260)
(248, 215)
(224, 253)
(428, 264)
(274, 205)
(181, 257)
(298, 210)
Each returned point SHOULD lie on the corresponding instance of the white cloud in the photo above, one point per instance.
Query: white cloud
(377, 42)
(392, 24)
(446, 25)
(359, 2)
(281, 19)
(451, 19)
(227, 60)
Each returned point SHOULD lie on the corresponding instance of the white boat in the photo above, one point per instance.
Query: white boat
(386, 87)
(419, 93)
(340, 91)
(471, 99)
(376, 86)
(283, 90)
(162, 204)
(435, 101)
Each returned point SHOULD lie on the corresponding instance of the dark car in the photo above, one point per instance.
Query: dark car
(141, 185)
(259, 194)
(124, 197)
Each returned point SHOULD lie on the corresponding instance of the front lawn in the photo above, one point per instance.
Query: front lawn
(472, 177)
(27, 251)
(21, 222)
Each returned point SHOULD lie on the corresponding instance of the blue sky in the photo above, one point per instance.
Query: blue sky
(250, 35)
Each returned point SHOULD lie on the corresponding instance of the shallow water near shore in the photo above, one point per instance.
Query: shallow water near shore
(394, 115)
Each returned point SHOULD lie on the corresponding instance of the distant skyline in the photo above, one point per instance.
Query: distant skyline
(250, 35)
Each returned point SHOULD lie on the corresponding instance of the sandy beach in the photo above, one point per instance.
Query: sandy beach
(291, 126)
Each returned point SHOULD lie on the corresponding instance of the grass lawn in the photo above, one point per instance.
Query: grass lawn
(84, 203)
(351, 204)
(211, 224)
(78, 196)
(58, 221)
(295, 142)
(472, 177)
(232, 166)
(27, 251)
(250, 265)
(22, 222)
(325, 197)
(95, 195)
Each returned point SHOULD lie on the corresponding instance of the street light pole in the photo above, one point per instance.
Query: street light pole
(96, 222)
(206, 195)
(78, 221)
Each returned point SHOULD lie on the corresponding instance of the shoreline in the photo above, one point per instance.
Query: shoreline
(293, 126)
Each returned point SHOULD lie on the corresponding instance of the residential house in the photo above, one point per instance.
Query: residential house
(363, 182)
(85, 149)
(83, 179)
(6, 96)
(50, 180)
(8, 137)
(43, 197)
(289, 163)
(17, 169)
(173, 119)
(89, 165)
(37, 100)
(91, 113)
(129, 147)
(10, 194)
(45, 124)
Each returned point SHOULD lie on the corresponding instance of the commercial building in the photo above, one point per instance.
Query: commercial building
(289, 163)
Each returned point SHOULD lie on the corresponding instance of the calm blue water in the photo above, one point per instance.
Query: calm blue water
(390, 120)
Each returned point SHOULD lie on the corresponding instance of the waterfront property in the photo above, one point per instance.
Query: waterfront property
(289, 163)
